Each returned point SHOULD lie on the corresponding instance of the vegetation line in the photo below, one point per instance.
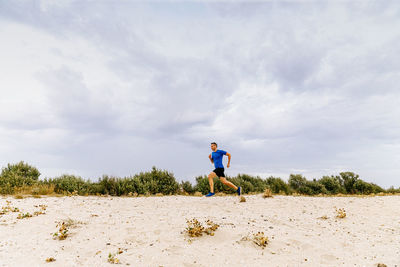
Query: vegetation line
(21, 178)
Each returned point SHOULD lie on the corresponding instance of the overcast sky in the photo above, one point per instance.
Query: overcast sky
(101, 87)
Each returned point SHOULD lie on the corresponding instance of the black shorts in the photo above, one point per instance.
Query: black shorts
(219, 172)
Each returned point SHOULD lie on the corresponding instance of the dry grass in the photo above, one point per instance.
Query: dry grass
(35, 190)
(24, 215)
(381, 265)
(324, 217)
(242, 199)
(197, 194)
(62, 232)
(195, 228)
(260, 239)
(112, 257)
(8, 208)
(51, 259)
(340, 213)
(267, 193)
(220, 194)
(159, 195)
(35, 213)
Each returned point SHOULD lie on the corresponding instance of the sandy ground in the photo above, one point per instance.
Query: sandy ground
(150, 231)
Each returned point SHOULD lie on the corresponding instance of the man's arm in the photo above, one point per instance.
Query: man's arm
(229, 159)
(209, 156)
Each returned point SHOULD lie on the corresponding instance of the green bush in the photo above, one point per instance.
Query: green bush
(187, 187)
(316, 188)
(70, 183)
(349, 179)
(277, 185)
(331, 184)
(155, 181)
(202, 184)
(20, 169)
(297, 181)
(17, 175)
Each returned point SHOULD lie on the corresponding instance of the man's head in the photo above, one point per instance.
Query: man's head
(213, 146)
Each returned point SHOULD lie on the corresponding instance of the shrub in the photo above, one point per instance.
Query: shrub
(331, 184)
(20, 169)
(349, 179)
(277, 185)
(70, 183)
(316, 187)
(202, 184)
(17, 175)
(187, 187)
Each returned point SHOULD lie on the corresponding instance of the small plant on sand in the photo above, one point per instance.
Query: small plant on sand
(24, 215)
(267, 193)
(323, 217)
(195, 228)
(260, 239)
(51, 259)
(340, 213)
(8, 208)
(112, 257)
(242, 199)
(62, 232)
(212, 227)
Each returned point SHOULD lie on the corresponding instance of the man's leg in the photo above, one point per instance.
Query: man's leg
(226, 182)
(211, 177)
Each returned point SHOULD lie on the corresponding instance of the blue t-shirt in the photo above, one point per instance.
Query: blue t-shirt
(217, 158)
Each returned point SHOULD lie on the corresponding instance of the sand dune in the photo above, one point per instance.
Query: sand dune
(302, 231)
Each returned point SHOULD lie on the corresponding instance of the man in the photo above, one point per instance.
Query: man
(216, 158)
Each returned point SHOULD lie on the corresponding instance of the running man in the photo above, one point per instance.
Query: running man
(216, 158)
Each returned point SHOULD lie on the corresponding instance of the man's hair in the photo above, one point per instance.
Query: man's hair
(214, 143)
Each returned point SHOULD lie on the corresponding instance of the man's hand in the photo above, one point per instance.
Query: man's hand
(209, 156)
(229, 160)
(228, 165)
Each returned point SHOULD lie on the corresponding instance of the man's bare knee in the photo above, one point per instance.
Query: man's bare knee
(223, 180)
(211, 175)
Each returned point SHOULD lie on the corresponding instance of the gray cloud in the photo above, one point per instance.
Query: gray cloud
(286, 87)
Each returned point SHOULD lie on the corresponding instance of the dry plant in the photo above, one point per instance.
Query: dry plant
(51, 259)
(267, 193)
(242, 199)
(8, 208)
(159, 194)
(130, 194)
(195, 228)
(323, 217)
(220, 194)
(381, 265)
(340, 213)
(41, 211)
(112, 257)
(24, 215)
(18, 196)
(36, 213)
(71, 194)
(212, 227)
(197, 194)
(260, 239)
(62, 232)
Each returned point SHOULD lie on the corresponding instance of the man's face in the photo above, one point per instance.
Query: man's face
(213, 147)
